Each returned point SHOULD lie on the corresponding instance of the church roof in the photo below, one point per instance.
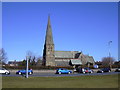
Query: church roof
(76, 62)
(65, 54)
(89, 59)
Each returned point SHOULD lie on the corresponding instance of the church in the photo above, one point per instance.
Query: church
(62, 58)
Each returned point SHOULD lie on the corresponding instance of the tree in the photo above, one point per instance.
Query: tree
(3, 56)
(31, 58)
(39, 61)
(23, 63)
(33, 63)
(107, 61)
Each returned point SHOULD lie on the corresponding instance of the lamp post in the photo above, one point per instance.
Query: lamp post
(109, 53)
(26, 67)
(109, 47)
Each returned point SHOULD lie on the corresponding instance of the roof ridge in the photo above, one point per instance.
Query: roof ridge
(66, 51)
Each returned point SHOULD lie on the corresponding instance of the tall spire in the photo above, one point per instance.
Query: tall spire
(48, 52)
(49, 24)
(49, 37)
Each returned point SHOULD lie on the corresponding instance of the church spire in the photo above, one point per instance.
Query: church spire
(49, 37)
(48, 52)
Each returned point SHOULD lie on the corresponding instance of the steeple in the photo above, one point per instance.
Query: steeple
(49, 37)
(48, 52)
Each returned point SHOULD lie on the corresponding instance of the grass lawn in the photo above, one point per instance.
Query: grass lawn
(105, 81)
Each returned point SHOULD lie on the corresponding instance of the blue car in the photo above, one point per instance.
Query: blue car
(63, 71)
(20, 72)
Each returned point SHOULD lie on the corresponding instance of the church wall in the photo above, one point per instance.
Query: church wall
(62, 62)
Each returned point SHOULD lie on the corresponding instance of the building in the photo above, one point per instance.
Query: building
(61, 58)
(14, 63)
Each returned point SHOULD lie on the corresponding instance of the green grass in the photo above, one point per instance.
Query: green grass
(106, 81)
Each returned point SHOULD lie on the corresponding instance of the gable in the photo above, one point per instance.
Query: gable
(76, 62)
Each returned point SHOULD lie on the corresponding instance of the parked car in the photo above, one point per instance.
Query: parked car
(80, 70)
(30, 71)
(4, 71)
(84, 70)
(88, 70)
(104, 70)
(117, 70)
(63, 71)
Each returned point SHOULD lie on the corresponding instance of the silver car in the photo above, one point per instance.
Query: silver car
(4, 71)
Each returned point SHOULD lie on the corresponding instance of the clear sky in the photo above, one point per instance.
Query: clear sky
(83, 26)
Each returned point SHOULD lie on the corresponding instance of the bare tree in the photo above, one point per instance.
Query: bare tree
(3, 57)
(107, 61)
(33, 63)
(31, 58)
(39, 61)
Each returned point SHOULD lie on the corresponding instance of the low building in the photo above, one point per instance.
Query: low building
(14, 63)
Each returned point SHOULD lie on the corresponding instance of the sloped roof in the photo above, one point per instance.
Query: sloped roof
(65, 54)
(89, 59)
(76, 62)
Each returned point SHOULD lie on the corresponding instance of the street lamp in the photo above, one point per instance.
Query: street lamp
(27, 66)
(109, 47)
(110, 63)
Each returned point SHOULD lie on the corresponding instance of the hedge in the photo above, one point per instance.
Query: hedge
(52, 67)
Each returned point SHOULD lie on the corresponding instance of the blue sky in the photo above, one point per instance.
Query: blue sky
(83, 26)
